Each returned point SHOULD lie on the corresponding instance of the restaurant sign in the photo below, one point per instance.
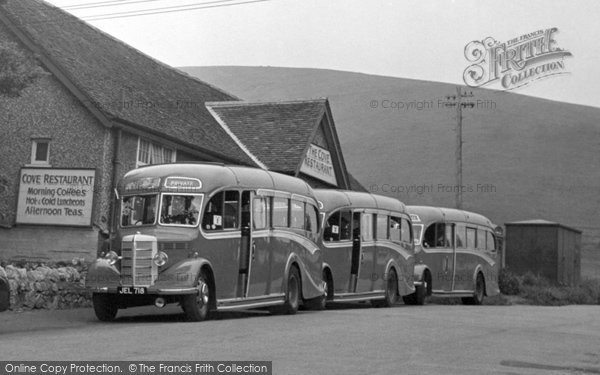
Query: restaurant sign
(318, 164)
(56, 196)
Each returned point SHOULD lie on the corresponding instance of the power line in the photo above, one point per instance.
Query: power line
(163, 8)
(104, 4)
(66, 17)
(111, 3)
(180, 8)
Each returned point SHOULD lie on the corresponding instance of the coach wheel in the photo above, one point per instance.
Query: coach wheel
(479, 293)
(391, 291)
(104, 307)
(292, 297)
(197, 306)
(418, 297)
(328, 285)
(320, 303)
(328, 288)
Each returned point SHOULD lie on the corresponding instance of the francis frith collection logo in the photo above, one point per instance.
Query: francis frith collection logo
(515, 63)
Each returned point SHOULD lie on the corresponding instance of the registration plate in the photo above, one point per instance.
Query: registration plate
(131, 290)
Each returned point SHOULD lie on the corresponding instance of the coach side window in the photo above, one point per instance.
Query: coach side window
(460, 235)
(435, 236)
(260, 212)
(429, 236)
(366, 227)
(440, 232)
(346, 225)
(311, 219)
(280, 212)
(491, 241)
(213, 214)
(332, 228)
(471, 238)
(382, 227)
(297, 214)
(481, 239)
(222, 211)
(450, 235)
(395, 229)
(406, 231)
(231, 209)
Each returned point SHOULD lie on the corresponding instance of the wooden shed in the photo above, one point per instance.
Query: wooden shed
(545, 248)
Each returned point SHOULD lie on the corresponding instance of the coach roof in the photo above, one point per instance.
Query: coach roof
(334, 199)
(215, 175)
(429, 214)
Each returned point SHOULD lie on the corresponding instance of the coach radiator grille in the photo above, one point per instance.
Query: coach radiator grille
(137, 267)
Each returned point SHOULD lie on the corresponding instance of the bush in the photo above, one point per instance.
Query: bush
(538, 290)
(580, 296)
(591, 287)
(509, 283)
(544, 296)
(531, 279)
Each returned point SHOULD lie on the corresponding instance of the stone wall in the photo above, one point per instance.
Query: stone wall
(47, 286)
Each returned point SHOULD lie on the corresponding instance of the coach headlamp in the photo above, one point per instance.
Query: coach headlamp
(111, 257)
(160, 259)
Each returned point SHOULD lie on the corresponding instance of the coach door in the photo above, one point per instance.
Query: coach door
(440, 247)
(366, 245)
(342, 252)
(450, 259)
(260, 246)
(356, 251)
(221, 225)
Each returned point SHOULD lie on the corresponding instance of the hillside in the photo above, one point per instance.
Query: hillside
(523, 157)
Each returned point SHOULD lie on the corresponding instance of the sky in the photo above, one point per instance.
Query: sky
(422, 39)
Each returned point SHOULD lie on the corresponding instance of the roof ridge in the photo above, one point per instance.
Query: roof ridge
(266, 102)
(129, 46)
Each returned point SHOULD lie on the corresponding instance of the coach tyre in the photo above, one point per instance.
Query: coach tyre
(197, 306)
(479, 293)
(418, 297)
(292, 299)
(479, 290)
(328, 284)
(104, 307)
(328, 296)
(320, 303)
(391, 291)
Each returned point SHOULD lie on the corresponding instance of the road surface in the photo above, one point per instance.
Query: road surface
(430, 339)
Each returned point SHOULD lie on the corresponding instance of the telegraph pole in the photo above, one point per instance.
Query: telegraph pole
(458, 102)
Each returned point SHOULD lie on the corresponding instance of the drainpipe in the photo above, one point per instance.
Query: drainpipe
(116, 164)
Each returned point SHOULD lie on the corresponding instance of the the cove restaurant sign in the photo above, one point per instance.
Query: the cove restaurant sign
(56, 196)
(318, 164)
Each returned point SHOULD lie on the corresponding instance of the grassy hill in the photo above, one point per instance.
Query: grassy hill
(523, 157)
